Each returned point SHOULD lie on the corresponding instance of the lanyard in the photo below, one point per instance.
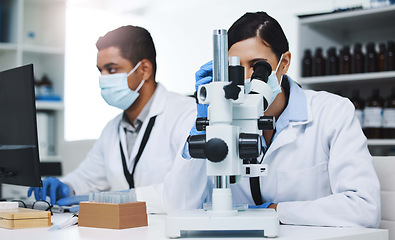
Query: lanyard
(129, 176)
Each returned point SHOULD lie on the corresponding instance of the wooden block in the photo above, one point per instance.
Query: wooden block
(24, 218)
(113, 216)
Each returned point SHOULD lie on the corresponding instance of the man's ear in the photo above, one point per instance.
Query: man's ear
(146, 69)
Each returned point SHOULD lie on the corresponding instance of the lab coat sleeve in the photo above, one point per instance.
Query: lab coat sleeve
(173, 192)
(355, 198)
(90, 176)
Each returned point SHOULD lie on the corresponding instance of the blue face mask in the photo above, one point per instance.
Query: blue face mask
(115, 89)
(273, 82)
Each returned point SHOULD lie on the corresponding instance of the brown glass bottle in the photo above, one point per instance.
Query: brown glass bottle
(359, 105)
(371, 58)
(381, 58)
(358, 59)
(319, 63)
(345, 61)
(389, 116)
(390, 57)
(372, 121)
(307, 66)
(332, 62)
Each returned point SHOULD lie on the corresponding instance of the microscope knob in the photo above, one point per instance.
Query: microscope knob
(232, 91)
(216, 150)
(266, 123)
(250, 145)
(201, 124)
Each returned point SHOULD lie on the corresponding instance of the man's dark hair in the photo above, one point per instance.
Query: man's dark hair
(261, 25)
(134, 42)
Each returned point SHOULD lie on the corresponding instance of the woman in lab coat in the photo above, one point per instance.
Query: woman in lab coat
(320, 171)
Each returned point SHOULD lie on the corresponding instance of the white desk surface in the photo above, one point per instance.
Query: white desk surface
(156, 231)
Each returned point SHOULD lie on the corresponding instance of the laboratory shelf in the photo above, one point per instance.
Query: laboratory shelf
(49, 105)
(8, 46)
(42, 49)
(348, 78)
(54, 158)
(381, 142)
(358, 19)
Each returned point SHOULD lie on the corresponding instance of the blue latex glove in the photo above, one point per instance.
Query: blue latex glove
(73, 200)
(203, 76)
(265, 205)
(53, 188)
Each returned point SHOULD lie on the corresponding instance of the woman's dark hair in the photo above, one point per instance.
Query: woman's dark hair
(134, 42)
(261, 25)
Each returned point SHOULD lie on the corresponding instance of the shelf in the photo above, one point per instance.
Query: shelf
(357, 20)
(42, 49)
(48, 105)
(8, 46)
(55, 158)
(381, 142)
(359, 77)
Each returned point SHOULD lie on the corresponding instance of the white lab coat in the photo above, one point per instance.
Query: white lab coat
(319, 171)
(102, 169)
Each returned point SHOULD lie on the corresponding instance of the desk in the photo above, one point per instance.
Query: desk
(156, 231)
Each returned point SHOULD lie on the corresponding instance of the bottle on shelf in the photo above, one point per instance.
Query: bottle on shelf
(381, 57)
(358, 59)
(46, 86)
(389, 116)
(371, 56)
(319, 63)
(332, 62)
(372, 121)
(345, 60)
(359, 105)
(307, 67)
(390, 57)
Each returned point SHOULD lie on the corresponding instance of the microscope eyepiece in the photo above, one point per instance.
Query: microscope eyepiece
(262, 70)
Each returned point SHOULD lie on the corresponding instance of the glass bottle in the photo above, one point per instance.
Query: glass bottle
(390, 57)
(371, 56)
(389, 116)
(358, 59)
(307, 64)
(345, 61)
(319, 63)
(332, 62)
(359, 105)
(372, 121)
(381, 57)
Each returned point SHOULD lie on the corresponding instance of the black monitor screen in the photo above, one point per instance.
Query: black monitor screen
(19, 161)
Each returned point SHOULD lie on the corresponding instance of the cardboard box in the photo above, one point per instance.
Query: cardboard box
(113, 216)
(24, 218)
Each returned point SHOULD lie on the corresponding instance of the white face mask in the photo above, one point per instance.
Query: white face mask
(272, 82)
(115, 89)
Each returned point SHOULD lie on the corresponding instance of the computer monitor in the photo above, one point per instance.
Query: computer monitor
(19, 159)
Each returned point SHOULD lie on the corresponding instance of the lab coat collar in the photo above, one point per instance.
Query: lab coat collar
(296, 113)
(159, 101)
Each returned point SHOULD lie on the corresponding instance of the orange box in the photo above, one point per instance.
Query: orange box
(113, 216)
(24, 218)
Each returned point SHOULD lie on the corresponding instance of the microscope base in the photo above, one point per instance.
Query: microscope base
(200, 220)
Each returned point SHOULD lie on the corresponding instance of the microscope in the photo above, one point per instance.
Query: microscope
(231, 146)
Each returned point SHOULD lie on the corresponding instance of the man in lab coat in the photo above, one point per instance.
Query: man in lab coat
(138, 147)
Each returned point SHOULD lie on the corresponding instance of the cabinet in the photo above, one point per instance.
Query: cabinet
(33, 31)
(348, 28)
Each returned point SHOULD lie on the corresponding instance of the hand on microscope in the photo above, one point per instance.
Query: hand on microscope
(203, 76)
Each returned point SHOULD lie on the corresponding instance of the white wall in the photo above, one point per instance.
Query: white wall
(182, 32)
